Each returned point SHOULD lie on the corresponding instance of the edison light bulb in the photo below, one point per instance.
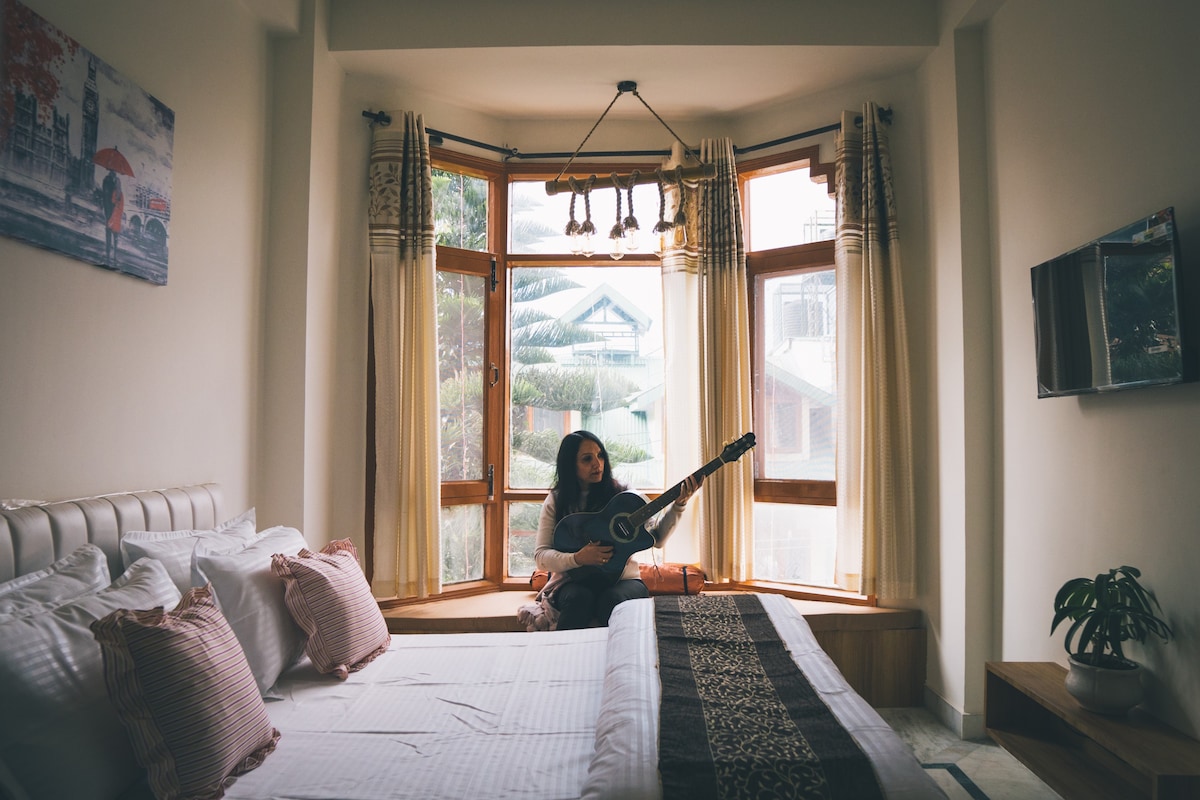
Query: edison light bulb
(618, 248)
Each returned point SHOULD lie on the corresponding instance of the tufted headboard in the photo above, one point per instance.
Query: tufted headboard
(35, 536)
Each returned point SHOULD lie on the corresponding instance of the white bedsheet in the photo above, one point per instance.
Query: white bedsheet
(555, 716)
(625, 764)
(477, 715)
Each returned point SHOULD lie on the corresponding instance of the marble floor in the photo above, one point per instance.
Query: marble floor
(966, 770)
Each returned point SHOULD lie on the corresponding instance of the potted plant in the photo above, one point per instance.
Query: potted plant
(1105, 612)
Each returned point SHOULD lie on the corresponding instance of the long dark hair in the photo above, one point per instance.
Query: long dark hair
(566, 476)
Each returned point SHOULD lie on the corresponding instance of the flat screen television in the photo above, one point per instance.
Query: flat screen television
(1109, 315)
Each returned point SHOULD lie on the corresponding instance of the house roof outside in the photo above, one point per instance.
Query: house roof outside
(605, 298)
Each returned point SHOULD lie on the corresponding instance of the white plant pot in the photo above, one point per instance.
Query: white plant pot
(1104, 690)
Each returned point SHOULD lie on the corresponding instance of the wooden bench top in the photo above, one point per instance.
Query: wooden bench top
(497, 611)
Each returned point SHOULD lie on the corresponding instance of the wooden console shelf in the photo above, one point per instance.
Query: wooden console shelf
(1081, 754)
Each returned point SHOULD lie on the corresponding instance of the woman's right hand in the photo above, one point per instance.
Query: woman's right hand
(593, 554)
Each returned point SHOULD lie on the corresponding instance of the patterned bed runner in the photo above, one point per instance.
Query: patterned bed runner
(738, 717)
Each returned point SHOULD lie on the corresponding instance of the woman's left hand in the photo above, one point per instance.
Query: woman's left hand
(691, 484)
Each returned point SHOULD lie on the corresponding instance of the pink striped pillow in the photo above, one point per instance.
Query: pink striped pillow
(183, 689)
(329, 598)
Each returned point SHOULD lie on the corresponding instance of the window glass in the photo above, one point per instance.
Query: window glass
(795, 543)
(461, 301)
(462, 543)
(788, 208)
(538, 221)
(586, 351)
(796, 375)
(460, 210)
(790, 228)
(522, 537)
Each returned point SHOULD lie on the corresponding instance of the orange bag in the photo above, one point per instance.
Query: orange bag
(673, 578)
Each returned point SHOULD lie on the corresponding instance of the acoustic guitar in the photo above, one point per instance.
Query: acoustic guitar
(621, 523)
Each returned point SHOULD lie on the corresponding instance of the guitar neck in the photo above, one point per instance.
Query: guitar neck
(647, 511)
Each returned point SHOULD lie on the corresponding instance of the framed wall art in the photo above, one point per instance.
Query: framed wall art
(85, 154)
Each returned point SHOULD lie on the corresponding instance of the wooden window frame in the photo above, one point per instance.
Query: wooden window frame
(487, 264)
(790, 259)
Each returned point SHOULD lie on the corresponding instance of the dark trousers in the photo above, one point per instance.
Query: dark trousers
(579, 602)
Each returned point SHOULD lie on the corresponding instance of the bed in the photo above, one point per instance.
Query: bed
(563, 714)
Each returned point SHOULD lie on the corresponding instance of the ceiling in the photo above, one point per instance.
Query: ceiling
(548, 60)
(678, 82)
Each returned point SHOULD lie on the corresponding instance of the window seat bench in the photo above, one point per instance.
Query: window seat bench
(880, 651)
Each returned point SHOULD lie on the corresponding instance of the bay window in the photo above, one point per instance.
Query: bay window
(536, 340)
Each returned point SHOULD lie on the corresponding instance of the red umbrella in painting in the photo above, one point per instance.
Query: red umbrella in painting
(111, 158)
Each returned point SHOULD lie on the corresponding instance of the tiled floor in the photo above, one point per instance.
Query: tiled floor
(994, 774)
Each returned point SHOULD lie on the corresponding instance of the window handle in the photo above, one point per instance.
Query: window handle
(495, 375)
(491, 482)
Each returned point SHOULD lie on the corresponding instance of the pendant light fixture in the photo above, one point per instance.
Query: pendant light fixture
(623, 235)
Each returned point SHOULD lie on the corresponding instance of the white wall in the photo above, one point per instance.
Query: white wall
(942, 501)
(1087, 124)
(108, 383)
(1092, 483)
(313, 449)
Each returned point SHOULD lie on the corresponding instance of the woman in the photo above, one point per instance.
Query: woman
(112, 201)
(584, 482)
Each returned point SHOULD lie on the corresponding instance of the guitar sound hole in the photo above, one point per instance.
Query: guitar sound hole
(622, 531)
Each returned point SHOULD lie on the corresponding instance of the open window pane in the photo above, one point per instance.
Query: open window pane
(789, 208)
(586, 350)
(460, 210)
(797, 375)
(461, 303)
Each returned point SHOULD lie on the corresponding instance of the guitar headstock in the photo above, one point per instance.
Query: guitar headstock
(737, 448)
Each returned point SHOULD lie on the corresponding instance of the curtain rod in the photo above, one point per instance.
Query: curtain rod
(383, 118)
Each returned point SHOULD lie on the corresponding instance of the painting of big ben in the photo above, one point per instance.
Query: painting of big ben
(85, 154)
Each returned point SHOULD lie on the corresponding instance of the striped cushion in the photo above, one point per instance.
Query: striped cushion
(329, 598)
(184, 691)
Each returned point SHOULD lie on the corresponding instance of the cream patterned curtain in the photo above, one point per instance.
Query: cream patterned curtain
(403, 278)
(874, 472)
(681, 341)
(725, 396)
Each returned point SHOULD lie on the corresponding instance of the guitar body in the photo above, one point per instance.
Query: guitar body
(610, 526)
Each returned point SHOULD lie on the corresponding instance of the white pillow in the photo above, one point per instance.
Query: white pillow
(83, 571)
(250, 595)
(61, 735)
(174, 548)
